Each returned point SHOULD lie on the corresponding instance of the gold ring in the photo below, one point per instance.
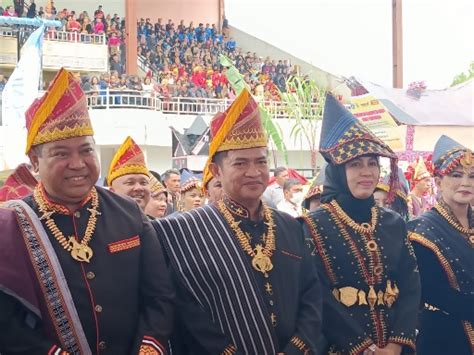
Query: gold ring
(372, 245)
(365, 225)
(378, 270)
(471, 239)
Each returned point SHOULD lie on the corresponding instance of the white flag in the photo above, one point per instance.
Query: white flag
(19, 92)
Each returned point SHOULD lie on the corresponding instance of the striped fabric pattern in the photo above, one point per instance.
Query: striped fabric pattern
(213, 267)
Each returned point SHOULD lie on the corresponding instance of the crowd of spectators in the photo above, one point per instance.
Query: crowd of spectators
(79, 27)
(185, 61)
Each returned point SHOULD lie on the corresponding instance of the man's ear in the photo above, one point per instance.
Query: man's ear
(215, 170)
(34, 160)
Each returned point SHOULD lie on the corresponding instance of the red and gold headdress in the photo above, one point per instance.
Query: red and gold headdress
(239, 127)
(418, 170)
(19, 184)
(60, 114)
(128, 159)
(448, 154)
(156, 187)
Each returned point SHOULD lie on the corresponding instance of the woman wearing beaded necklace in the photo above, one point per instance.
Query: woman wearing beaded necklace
(369, 273)
(443, 239)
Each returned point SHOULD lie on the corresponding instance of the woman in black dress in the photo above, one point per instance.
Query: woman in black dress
(443, 239)
(365, 261)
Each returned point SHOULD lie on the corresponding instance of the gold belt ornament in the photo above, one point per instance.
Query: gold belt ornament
(350, 296)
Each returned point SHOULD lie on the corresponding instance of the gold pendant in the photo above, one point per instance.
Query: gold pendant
(391, 294)
(372, 297)
(348, 295)
(261, 262)
(362, 297)
(80, 252)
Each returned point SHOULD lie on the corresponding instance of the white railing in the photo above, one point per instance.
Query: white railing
(62, 36)
(113, 99)
(65, 36)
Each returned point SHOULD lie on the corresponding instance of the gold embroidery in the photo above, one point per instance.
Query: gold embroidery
(147, 350)
(124, 244)
(415, 237)
(299, 344)
(229, 350)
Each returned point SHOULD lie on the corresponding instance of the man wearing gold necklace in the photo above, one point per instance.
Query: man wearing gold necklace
(81, 269)
(244, 281)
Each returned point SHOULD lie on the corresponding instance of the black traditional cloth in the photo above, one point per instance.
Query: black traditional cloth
(340, 260)
(222, 302)
(123, 297)
(346, 264)
(446, 262)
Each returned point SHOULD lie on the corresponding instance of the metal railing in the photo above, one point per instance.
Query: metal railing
(114, 99)
(65, 36)
(53, 35)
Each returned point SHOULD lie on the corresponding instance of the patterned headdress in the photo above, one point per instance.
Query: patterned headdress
(156, 187)
(344, 137)
(239, 127)
(418, 170)
(448, 154)
(60, 114)
(402, 188)
(19, 184)
(128, 159)
(316, 187)
(189, 181)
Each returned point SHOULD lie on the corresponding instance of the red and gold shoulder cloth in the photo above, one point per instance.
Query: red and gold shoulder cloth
(19, 184)
(128, 159)
(60, 114)
(239, 127)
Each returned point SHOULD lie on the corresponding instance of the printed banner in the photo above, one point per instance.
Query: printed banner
(374, 115)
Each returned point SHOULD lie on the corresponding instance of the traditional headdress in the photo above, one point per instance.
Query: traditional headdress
(239, 127)
(60, 114)
(402, 188)
(189, 181)
(448, 154)
(20, 183)
(128, 159)
(418, 170)
(156, 187)
(316, 187)
(344, 137)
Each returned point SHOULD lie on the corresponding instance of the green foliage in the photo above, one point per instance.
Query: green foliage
(304, 103)
(463, 77)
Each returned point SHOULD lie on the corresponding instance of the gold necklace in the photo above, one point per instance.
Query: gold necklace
(79, 251)
(261, 254)
(363, 228)
(466, 232)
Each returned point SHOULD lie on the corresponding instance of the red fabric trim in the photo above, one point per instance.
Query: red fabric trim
(158, 344)
(52, 350)
(124, 244)
(294, 256)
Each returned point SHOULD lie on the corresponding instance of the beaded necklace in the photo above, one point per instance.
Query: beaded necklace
(79, 251)
(467, 233)
(261, 254)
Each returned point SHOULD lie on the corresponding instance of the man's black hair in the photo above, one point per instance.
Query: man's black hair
(279, 170)
(219, 157)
